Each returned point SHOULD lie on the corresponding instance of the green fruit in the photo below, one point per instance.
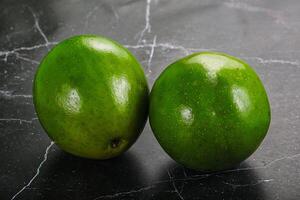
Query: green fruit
(209, 111)
(91, 96)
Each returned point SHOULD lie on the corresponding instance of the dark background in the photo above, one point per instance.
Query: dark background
(265, 33)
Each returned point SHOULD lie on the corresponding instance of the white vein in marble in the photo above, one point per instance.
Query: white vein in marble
(271, 61)
(147, 22)
(15, 51)
(37, 171)
(18, 120)
(248, 184)
(151, 54)
(171, 179)
(10, 94)
(243, 6)
(37, 26)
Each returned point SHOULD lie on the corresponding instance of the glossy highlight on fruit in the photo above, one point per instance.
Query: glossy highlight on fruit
(91, 96)
(209, 111)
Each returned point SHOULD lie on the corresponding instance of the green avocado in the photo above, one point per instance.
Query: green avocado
(91, 96)
(209, 111)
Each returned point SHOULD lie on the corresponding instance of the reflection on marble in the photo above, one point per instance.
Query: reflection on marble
(264, 33)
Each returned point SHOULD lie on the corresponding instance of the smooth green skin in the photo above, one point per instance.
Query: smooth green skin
(91, 96)
(209, 111)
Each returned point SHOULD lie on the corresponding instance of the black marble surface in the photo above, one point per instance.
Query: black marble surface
(265, 33)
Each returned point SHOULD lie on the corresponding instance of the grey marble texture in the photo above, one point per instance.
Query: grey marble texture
(265, 33)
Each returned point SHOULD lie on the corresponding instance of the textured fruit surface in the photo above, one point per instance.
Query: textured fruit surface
(91, 96)
(209, 111)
